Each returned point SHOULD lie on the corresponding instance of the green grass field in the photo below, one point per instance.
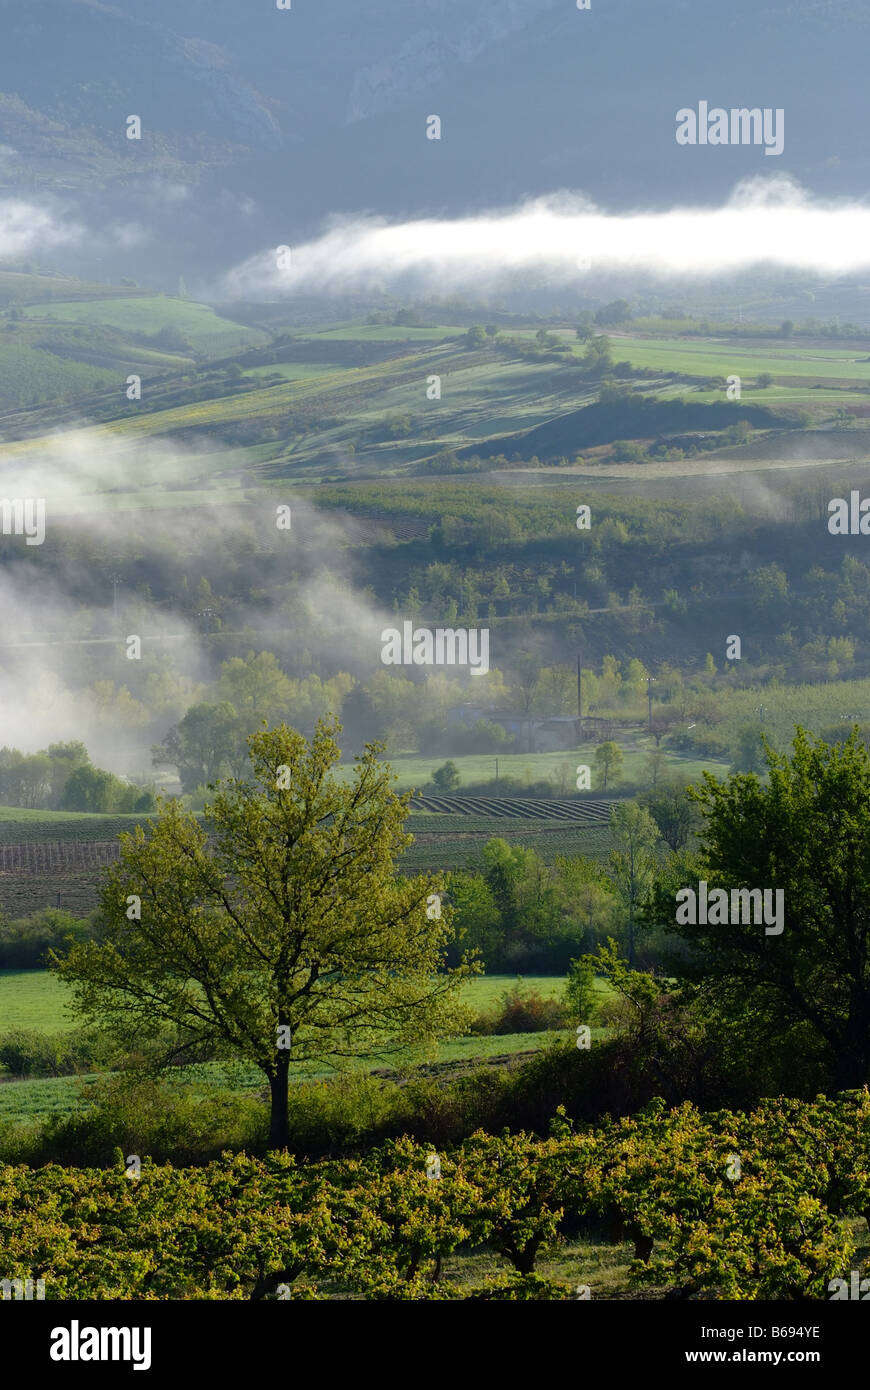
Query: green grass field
(559, 767)
(25, 816)
(34, 999)
(388, 333)
(458, 850)
(30, 376)
(297, 371)
(22, 1101)
(37, 999)
(206, 329)
(716, 357)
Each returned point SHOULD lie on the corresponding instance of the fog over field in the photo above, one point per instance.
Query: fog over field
(434, 672)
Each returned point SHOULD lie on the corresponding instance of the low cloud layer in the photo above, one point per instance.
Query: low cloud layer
(28, 228)
(765, 221)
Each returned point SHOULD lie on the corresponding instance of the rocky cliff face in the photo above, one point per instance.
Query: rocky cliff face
(456, 34)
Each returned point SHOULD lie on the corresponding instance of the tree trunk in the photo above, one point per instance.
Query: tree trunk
(523, 1260)
(279, 1122)
(643, 1246)
(850, 1067)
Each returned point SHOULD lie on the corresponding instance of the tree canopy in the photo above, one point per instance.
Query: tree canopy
(278, 928)
(805, 832)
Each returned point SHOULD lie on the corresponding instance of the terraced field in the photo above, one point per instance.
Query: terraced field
(48, 855)
(451, 853)
(517, 808)
(23, 828)
(58, 860)
(444, 841)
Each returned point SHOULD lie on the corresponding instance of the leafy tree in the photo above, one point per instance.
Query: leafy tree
(529, 902)
(256, 687)
(171, 337)
(597, 358)
(557, 690)
(739, 433)
(89, 789)
(632, 863)
(476, 337)
(206, 743)
(608, 761)
(616, 312)
(35, 779)
(749, 753)
(518, 1205)
(768, 589)
(528, 676)
(806, 833)
(589, 897)
(284, 927)
(446, 778)
(74, 753)
(484, 736)
(629, 450)
(476, 918)
(665, 716)
(656, 764)
(672, 811)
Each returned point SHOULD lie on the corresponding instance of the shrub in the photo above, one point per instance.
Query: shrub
(153, 1118)
(25, 942)
(523, 1011)
(26, 1052)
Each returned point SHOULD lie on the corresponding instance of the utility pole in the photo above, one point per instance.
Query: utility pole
(116, 580)
(579, 690)
(650, 681)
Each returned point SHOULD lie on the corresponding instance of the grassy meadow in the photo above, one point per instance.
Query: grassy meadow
(36, 1000)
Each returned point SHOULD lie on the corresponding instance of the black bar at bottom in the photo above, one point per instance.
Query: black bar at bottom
(228, 1338)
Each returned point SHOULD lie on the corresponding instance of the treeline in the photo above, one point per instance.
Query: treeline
(63, 778)
(523, 915)
(713, 713)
